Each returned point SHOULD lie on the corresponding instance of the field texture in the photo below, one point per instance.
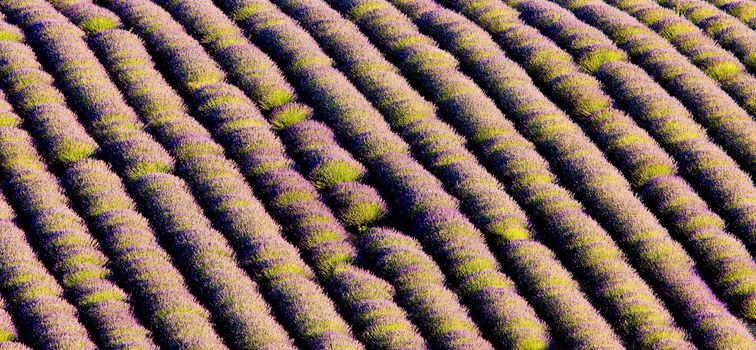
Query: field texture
(377, 174)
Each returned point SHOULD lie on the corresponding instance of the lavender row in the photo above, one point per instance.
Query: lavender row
(371, 139)
(382, 324)
(34, 296)
(744, 10)
(648, 167)
(324, 254)
(136, 258)
(704, 52)
(8, 331)
(323, 162)
(727, 123)
(135, 154)
(717, 177)
(72, 254)
(727, 31)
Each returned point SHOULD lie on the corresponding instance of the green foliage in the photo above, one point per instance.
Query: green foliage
(7, 35)
(96, 25)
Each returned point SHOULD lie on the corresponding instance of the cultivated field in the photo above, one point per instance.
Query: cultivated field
(377, 174)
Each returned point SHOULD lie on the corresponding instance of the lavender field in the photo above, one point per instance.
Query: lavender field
(377, 174)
